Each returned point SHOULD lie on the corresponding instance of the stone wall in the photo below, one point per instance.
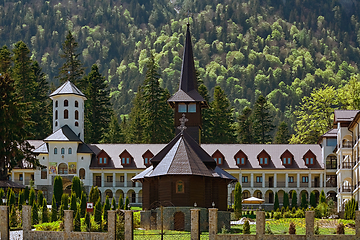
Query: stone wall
(68, 228)
(4, 222)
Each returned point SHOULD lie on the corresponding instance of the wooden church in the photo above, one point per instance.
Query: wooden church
(182, 173)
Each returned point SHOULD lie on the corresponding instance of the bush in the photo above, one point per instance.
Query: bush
(58, 189)
(73, 205)
(113, 204)
(287, 214)
(53, 210)
(277, 215)
(350, 208)
(127, 202)
(276, 202)
(76, 187)
(64, 204)
(312, 199)
(34, 214)
(299, 213)
(26, 194)
(272, 213)
(321, 210)
(32, 197)
(136, 219)
(317, 229)
(87, 221)
(40, 197)
(94, 195)
(286, 201)
(292, 228)
(294, 200)
(1, 196)
(21, 199)
(77, 222)
(83, 205)
(45, 212)
(106, 208)
(13, 217)
(54, 226)
(246, 227)
(120, 227)
(238, 200)
(340, 228)
(97, 212)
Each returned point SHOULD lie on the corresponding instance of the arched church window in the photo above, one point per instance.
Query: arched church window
(56, 103)
(55, 150)
(76, 104)
(76, 115)
(76, 124)
(56, 124)
(66, 114)
(70, 151)
(82, 173)
(62, 150)
(56, 115)
(66, 103)
(63, 169)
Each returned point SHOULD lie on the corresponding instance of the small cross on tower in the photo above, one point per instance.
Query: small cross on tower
(182, 120)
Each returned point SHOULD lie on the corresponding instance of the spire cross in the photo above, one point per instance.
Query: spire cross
(182, 120)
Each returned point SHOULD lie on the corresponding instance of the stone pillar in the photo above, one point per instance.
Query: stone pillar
(309, 185)
(26, 218)
(213, 222)
(129, 235)
(298, 180)
(125, 180)
(309, 220)
(286, 180)
(4, 226)
(357, 224)
(111, 225)
(275, 180)
(263, 180)
(195, 224)
(68, 221)
(252, 180)
(321, 180)
(114, 178)
(260, 223)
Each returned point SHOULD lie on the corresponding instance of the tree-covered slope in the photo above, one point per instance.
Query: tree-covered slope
(281, 49)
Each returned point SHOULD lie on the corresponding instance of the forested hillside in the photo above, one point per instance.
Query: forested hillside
(281, 49)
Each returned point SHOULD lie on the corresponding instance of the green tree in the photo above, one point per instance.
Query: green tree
(206, 116)
(246, 227)
(294, 199)
(45, 212)
(350, 208)
(77, 222)
(114, 133)
(32, 197)
(106, 208)
(276, 202)
(34, 214)
(83, 205)
(97, 212)
(1, 195)
(76, 187)
(262, 121)
(97, 107)
(13, 217)
(312, 199)
(135, 124)
(87, 221)
(72, 69)
(238, 200)
(121, 202)
(64, 204)
(322, 198)
(304, 201)
(245, 126)
(54, 211)
(5, 60)
(127, 204)
(73, 205)
(21, 199)
(286, 200)
(40, 197)
(26, 194)
(113, 204)
(58, 189)
(94, 195)
(282, 135)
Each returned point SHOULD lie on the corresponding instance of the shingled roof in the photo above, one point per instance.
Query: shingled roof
(63, 134)
(188, 82)
(67, 88)
(183, 156)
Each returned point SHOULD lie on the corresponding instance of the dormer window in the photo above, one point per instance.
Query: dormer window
(218, 157)
(147, 156)
(309, 158)
(287, 158)
(240, 158)
(126, 158)
(103, 157)
(264, 158)
(190, 108)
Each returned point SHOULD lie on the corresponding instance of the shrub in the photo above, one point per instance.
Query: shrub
(238, 200)
(32, 197)
(13, 217)
(292, 228)
(304, 201)
(34, 214)
(58, 189)
(54, 226)
(45, 212)
(286, 201)
(83, 205)
(312, 199)
(136, 219)
(64, 204)
(299, 213)
(277, 215)
(106, 208)
(26, 194)
(11, 198)
(282, 210)
(53, 210)
(322, 198)
(340, 228)
(21, 199)
(272, 213)
(121, 202)
(268, 230)
(252, 212)
(87, 221)
(97, 212)
(113, 204)
(276, 202)
(40, 197)
(77, 222)
(294, 200)
(73, 202)
(287, 214)
(94, 195)
(246, 227)
(127, 202)
(1, 196)
(76, 187)
(322, 210)
(317, 229)
(350, 208)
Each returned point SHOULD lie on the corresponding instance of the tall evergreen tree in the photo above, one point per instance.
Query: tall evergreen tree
(83, 205)
(238, 200)
(222, 130)
(312, 199)
(114, 133)
(206, 115)
(45, 212)
(72, 69)
(76, 187)
(276, 202)
(286, 200)
(294, 199)
(58, 189)
(135, 124)
(282, 135)
(73, 205)
(262, 125)
(97, 107)
(245, 126)
(5, 60)
(54, 211)
(304, 201)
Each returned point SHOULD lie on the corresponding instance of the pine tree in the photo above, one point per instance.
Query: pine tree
(72, 68)
(127, 204)
(45, 212)
(113, 204)
(286, 200)
(106, 208)
(97, 212)
(276, 202)
(40, 197)
(94, 195)
(114, 133)
(312, 199)
(206, 116)
(64, 204)
(282, 135)
(304, 201)
(73, 205)
(262, 124)
(222, 130)
(21, 199)
(26, 194)
(238, 200)
(245, 126)
(32, 197)
(97, 107)
(294, 200)
(34, 214)
(322, 198)
(13, 218)
(77, 222)
(87, 221)
(121, 202)
(76, 187)
(58, 189)
(83, 205)
(54, 212)
(5, 60)
(135, 127)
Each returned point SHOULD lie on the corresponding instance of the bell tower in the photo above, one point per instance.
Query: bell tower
(187, 99)
(68, 108)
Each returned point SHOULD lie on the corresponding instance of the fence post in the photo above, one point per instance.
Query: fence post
(357, 224)
(68, 221)
(4, 227)
(309, 219)
(213, 222)
(195, 224)
(260, 223)
(129, 235)
(111, 225)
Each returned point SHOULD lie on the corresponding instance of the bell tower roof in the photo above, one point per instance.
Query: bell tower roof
(67, 88)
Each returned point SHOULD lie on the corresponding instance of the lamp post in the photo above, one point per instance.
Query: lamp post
(213, 204)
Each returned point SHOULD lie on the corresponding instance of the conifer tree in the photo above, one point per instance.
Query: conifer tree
(206, 115)
(312, 199)
(45, 212)
(113, 204)
(276, 202)
(97, 212)
(64, 204)
(87, 221)
(20, 199)
(304, 201)
(76, 187)
(94, 195)
(294, 200)
(245, 126)
(72, 69)
(106, 208)
(322, 198)
(114, 132)
(127, 204)
(13, 218)
(121, 202)
(77, 222)
(40, 197)
(32, 197)
(262, 125)
(238, 200)
(282, 135)
(97, 107)
(26, 194)
(286, 200)
(58, 189)
(54, 212)
(34, 214)
(83, 205)
(135, 124)
(5, 60)
(73, 202)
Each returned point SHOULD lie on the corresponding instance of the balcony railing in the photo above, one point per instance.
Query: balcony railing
(131, 184)
(256, 184)
(348, 165)
(108, 184)
(292, 185)
(246, 184)
(331, 184)
(302, 184)
(346, 189)
(347, 144)
(280, 184)
(119, 184)
(96, 184)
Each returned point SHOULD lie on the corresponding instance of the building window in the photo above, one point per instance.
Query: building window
(284, 160)
(66, 114)
(105, 160)
(122, 179)
(43, 173)
(62, 150)
(63, 169)
(307, 161)
(56, 124)
(290, 179)
(76, 124)
(192, 108)
(311, 161)
(76, 115)
(259, 179)
(82, 173)
(100, 161)
(219, 161)
(331, 142)
(244, 179)
(76, 104)
(179, 186)
(70, 151)
(20, 177)
(123, 161)
(56, 103)
(109, 178)
(146, 161)
(261, 161)
(56, 115)
(245, 195)
(66, 103)
(289, 160)
(182, 108)
(265, 161)
(305, 179)
(55, 150)
(127, 160)
(259, 195)
(331, 162)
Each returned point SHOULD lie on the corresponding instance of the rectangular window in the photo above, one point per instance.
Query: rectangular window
(289, 160)
(215, 160)
(219, 160)
(20, 177)
(284, 161)
(146, 161)
(307, 161)
(44, 173)
(265, 161)
(244, 179)
(127, 160)
(331, 142)
(121, 178)
(192, 108)
(243, 161)
(261, 161)
(109, 178)
(305, 179)
(311, 161)
(104, 160)
(237, 161)
(123, 161)
(259, 179)
(182, 108)
(100, 160)
(290, 179)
